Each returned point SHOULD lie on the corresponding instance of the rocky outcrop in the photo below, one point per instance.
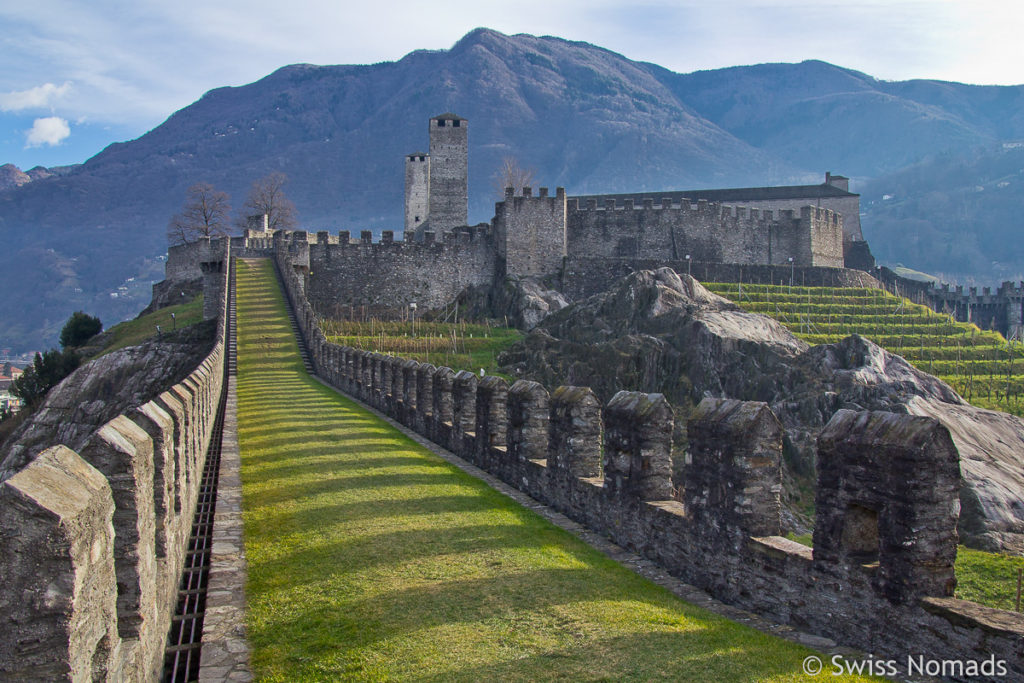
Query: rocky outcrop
(171, 292)
(991, 447)
(533, 302)
(521, 302)
(102, 389)
(11, 176)
(657, 331)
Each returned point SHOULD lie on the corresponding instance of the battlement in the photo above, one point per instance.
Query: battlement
(340, 271)
(703, 207)
(99, 534)
(449, 120)
(344, 239)
(704, 231)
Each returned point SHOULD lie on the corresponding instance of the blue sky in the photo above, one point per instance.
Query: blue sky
(76, 76)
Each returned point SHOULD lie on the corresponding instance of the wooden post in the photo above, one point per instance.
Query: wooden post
(1020, 572)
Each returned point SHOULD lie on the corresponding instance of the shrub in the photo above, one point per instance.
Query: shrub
(80, 328)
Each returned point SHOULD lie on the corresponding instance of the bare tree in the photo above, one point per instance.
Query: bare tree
(206, 213)
(511, 174)
(266, 197)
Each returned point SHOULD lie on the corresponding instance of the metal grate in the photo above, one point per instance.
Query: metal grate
(184, 642)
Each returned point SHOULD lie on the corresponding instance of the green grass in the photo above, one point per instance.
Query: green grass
(985, 578)
(461, 346)
(981, 365)
(370, 558)
(132, 332)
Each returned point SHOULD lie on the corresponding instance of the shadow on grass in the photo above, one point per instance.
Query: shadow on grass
(681, 656)
(345, 587)
(665, 643)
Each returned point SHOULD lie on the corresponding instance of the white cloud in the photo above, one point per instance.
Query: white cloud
(39, 97)
(47, 131)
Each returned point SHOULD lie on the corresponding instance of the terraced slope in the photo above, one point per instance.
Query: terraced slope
(981, 365)
(371, 558)
(460, 346)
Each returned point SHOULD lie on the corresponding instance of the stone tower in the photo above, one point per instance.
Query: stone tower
(449, 172)
(417, 191)
(531, 232)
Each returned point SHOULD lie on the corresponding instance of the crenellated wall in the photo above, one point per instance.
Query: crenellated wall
(708, 232)
(1002, 309)
(880, 577)
(93, 542)
(389, 275)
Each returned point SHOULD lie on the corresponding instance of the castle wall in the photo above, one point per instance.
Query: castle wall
(530, 232)
(898, 609)
(94, 541)
(707, 232)
(583, 277)
(183, 260)
(387, 276)
(847, 207)
(1001, 310)
(824, 242)
(417, 191)
(449, 173)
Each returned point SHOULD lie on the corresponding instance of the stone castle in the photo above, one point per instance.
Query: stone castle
(808, 234)
(571, 244)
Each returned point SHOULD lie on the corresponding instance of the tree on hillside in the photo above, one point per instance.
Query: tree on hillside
(267, 198)
(46, 371)
(511, 174)
(206, 213)
(80, 328)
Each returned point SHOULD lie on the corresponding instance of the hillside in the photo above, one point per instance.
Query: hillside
(956, 216)
(584, 117)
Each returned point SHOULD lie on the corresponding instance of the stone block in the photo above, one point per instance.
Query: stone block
(733, 478)
(576, 432)
(638, 446)
(58, 588)
(888, 493)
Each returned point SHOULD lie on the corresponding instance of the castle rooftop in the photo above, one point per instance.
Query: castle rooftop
(738, 194)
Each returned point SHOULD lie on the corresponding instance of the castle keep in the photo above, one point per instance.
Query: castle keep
(436, 185)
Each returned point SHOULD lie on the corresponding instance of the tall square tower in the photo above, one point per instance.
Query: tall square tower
(417, 191)
(449, 172)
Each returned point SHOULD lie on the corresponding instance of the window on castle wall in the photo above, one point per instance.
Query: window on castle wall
(456, 123)
(440, 124)
(860, 534)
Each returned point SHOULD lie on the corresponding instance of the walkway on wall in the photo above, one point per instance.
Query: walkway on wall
(369, 556)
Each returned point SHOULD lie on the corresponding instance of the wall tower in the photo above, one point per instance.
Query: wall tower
(449, 172)
(417, 191)
(531, 232)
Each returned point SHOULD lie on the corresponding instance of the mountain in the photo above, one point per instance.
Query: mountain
(956, 216)
(91, 236)
(816, 115)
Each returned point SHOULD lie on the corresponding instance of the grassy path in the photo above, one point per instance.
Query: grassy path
(370, 558)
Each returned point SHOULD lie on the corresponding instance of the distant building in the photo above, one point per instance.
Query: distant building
(9, 402)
